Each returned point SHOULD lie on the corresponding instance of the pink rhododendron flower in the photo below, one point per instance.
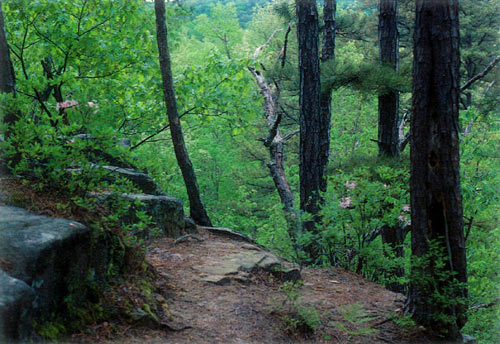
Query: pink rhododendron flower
(345, 202)
(92, 104)
(385, 185)
(403, 218)
(406, 208)
(66, 104)
(350, 185)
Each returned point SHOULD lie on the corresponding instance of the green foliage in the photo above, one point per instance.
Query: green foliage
(367, 196)
(406, 323)
(103, 56)
(431, 275)
(298, 319)
(480, 188)
(50, 330)
(356, 317)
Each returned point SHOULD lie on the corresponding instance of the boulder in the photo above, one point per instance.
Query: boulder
(166, 212)
(237, 266)
(50, 255)
(140, 180)
(190, 225)
(16, 299)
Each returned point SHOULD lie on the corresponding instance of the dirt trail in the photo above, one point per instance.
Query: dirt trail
(242, 308)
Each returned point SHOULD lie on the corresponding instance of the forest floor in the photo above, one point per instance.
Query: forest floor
(351, 309)
(247, 307)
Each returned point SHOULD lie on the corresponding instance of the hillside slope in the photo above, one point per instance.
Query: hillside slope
(205, 301)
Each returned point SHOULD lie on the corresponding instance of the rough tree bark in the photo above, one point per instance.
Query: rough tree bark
(436, 199)
(310, 171)
(7, 76)
(327, 54)
(197, 209)
(388, 103)
(388, 114)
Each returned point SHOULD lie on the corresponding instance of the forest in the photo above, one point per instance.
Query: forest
(361, 135)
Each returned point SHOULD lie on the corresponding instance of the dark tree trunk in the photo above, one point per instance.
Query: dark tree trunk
(311, 172)
(436, 200)
(388, 109)
(327, 54)
(197, 210)
(7, 76)
(388, 103)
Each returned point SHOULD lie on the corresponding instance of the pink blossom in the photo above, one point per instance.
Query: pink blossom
(350, 185)
(92, 104)
(406, 208)
(66, 104)
(345, 202)
(403, 218)
(385, 185)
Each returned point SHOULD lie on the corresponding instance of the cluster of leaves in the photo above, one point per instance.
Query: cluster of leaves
(367, 198)
(64, 160)
(299, 320)
(355, 316)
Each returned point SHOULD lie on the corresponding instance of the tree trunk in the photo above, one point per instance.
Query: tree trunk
(197, 210)
(436, 199)
(327, 54)
(7, 76)
(275, 143)
(388, 108)
(388, 103)
(310, 172)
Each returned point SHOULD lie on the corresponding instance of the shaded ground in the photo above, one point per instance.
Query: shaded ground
(241, 306)
(250, 309)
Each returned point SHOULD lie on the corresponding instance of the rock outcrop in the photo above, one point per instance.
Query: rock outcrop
(238, 266)
(166, 212)
(44, 257)
(16, 298)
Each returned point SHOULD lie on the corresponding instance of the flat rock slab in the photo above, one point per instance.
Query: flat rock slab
(47, 254)
(236, 266)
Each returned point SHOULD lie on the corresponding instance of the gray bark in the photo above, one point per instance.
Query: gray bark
(275, 143)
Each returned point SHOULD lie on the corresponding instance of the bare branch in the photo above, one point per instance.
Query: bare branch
(282, 56)
(480, 75)
(468, 129)
(402, 125)
(273, 130)
(289, 136)
(485, 305)
(260, 48)
(147, 139)
(404, 142)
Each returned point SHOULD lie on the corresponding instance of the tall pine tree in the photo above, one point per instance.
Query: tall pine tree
(436, 300)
